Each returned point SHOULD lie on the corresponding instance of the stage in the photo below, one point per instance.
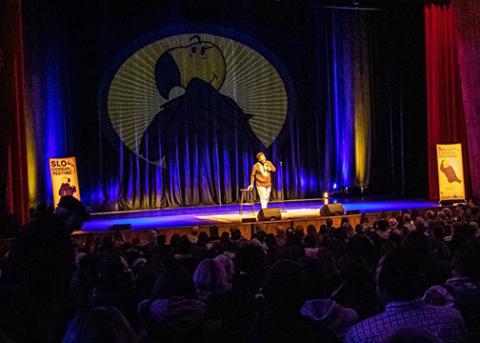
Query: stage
(202, 216)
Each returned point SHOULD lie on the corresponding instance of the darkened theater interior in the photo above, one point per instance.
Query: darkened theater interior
(218, 171)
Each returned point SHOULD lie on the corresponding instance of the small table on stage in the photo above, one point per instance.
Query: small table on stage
(247, 196)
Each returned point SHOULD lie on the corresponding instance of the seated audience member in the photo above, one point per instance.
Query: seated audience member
(114, 286)
(363, 246)
(346, 227)
(364, 222)
(250, 269)
(273, 249)
(357, 289)
(401, 280)
(236, 235)
(41, 262)
(440, 248)
(320, 307)
(99, 325)
(211, 283)
(465, 275)
(468, 303)
(227, 264)
(418, 242)
(183, 254)
(173, 314)
(463, 233)
(462, 290)
(310, 246)
(285, 290)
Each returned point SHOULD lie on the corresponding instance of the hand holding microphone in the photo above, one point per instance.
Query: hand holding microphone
(266, 167)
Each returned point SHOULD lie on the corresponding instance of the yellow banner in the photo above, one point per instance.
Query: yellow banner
(450, 172)
(64, 178)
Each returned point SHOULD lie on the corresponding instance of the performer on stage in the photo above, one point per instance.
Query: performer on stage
(261, 174)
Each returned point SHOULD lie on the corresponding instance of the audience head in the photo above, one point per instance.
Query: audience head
(210, 278)
(100, 324)
(311, 230)
(250, 257)
(236, 234)
(228, 266)
(310, 241)
(401, 275)
(202, 239)
(362, 246)
(161, 239)
(271, 241)
(151, 237)
(382, 227)
(354, 269)
(430, 215)
(465, 262)
(418, 242)
(213, 233)
(175, 281)
(72, 212)
(286, 287)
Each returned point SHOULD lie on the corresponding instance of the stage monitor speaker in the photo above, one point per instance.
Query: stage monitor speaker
(269, 214)
(332, 210)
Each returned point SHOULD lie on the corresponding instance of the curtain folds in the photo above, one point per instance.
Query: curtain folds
(446, 118)
(467, 17)
(14, 197)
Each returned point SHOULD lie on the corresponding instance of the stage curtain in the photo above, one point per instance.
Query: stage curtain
(446, 121)
(467, 18)
(13, 154)
(354, 83)
(350, 54)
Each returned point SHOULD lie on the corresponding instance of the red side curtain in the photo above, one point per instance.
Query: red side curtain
(13, 156)
(467, 17)
(445, 111)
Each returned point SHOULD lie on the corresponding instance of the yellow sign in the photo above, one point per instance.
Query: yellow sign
(64, 178)
(450, 172)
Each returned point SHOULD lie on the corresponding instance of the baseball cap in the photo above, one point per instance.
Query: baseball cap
(74, 205)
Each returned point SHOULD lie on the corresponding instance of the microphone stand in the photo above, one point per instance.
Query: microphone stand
(282, 200)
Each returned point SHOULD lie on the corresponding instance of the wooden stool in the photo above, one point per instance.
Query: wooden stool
(247, 196)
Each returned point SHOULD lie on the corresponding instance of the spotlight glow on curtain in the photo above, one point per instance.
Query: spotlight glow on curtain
(350, 34)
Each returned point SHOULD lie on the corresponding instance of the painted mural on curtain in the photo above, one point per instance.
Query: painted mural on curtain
(185, 88)
(196, 103)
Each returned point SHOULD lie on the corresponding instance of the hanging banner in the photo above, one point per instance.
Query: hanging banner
(450, 172)
(64, 178)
